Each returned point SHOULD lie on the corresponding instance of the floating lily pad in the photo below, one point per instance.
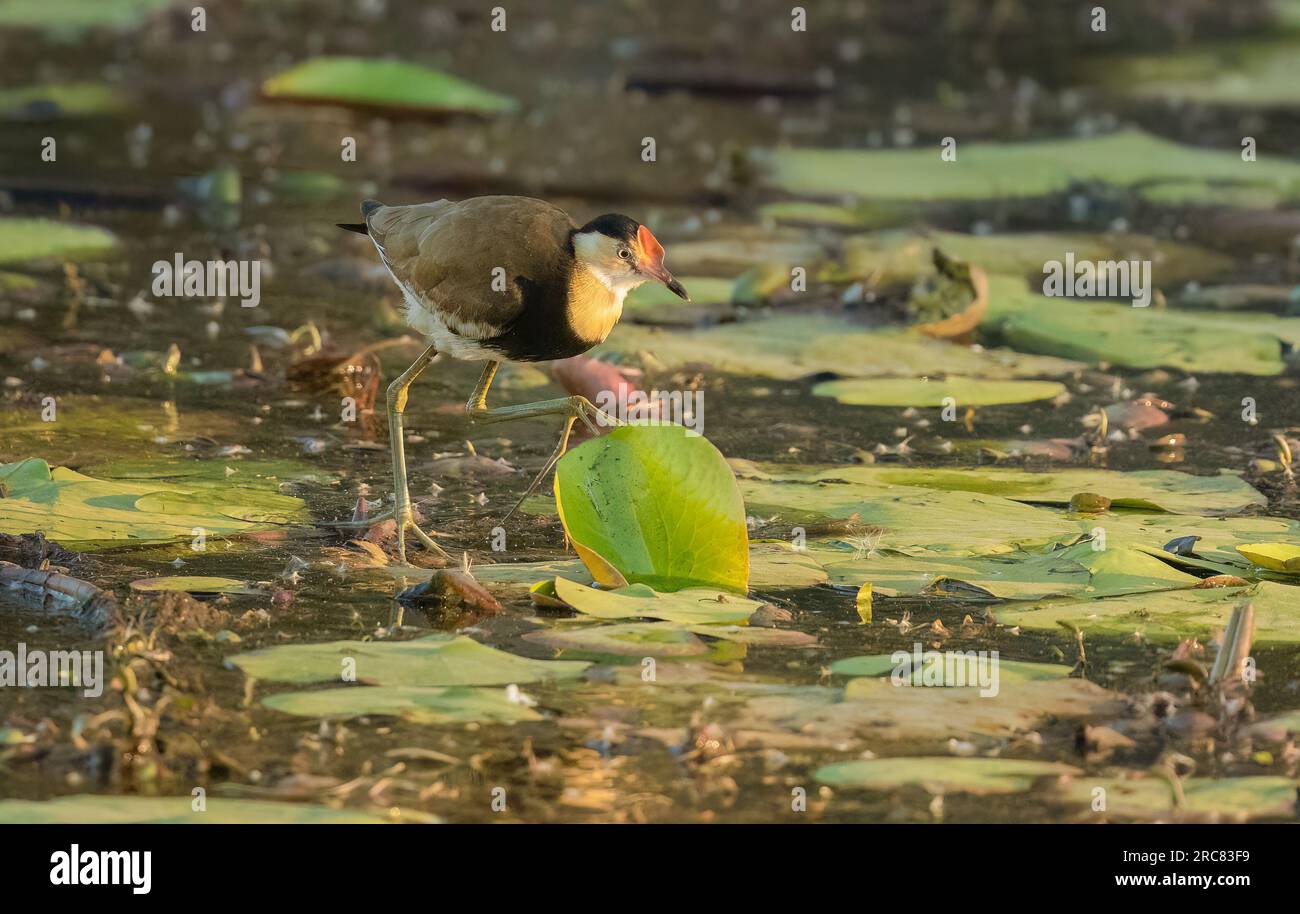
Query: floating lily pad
(1254, 74)
(89, 809)
(194, 585)
(1151, 490)
(657, 503)
(418, 705)
(434, 660)
(1094, 331)
(33, 239)
(934, 392)
(1168, 615)
(985, 171)
(376, 83)
(652, 300)
(633, 639)
(83, 512)
(1079, 571)
(693, 605)
(77, 15)
(884, 665)
(979, 776)
(755, 636)
(59, 100)
(1283, 558)
(1232, 799)
(789, 346)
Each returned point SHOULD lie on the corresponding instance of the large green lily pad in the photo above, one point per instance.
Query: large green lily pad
(935, 391)
(33, 239)
(1168, 615)
(1150, 490)
(83, 512)
(979, 776)
(658, 504)
(89, 809)
(986, 171)
(412, 703)
(379, 83)
(431, 661)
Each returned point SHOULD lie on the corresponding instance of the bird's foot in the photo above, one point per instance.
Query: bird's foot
(406, 521)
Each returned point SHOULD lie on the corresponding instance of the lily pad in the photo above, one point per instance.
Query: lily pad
(1283, 558)
(33, 239)
(986, 171)
(89, 809)
(59, 100)
(1151, 490)
(431, 661)
(77, 15)
(1234, 799)
(934, 392)
(692, 605)
(979, 776)
(194, 585)
(83, 512)
(1009, 671)
(376, 83)
(633, 639)
(658, 504)
(415, 704)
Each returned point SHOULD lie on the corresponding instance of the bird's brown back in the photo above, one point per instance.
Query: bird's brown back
(446, 255)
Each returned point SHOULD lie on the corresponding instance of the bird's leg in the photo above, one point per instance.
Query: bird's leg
(397, 392)
(572, 408)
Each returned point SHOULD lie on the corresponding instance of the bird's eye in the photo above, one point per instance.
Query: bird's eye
(624, 253)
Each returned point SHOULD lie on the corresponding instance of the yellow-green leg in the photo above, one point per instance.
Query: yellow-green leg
(402, 514)
(572, 408)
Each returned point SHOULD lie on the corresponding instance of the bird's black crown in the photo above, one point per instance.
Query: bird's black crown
(614, 225)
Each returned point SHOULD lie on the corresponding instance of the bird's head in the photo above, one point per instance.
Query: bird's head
(623, 253)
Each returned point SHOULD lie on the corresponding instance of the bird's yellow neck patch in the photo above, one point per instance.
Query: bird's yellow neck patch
(594, 308)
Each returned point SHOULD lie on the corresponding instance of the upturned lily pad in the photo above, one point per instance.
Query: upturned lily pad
(90, 809)
(33, 239)
(1231, 799)
(194, 585)
(934, 392)
(979, 776)
(659, 505)
(1283, 558)
(434, 660)
(633, 639)
(693, 605)
(375, 83)
(884, 665)
(985, 171)
(83, 512)
(418, 705)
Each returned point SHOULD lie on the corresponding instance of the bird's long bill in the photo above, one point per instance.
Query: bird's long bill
(658, 272)
(652, 262)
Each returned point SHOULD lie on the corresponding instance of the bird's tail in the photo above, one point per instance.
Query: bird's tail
(367, 207)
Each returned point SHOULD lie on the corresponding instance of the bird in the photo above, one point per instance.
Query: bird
(505, 279)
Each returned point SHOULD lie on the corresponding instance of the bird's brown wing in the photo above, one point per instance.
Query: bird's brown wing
(447, 256)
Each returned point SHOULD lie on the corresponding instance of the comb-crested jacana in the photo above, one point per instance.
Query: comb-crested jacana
(505, 279)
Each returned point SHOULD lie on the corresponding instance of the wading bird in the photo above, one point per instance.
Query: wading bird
(505, 279)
